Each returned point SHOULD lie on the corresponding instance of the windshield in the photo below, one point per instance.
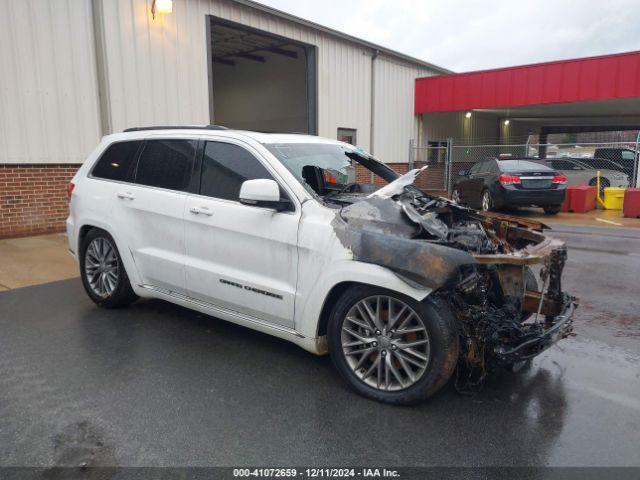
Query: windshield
(330, 168)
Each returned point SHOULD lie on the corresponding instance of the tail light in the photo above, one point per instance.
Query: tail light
(508, 179)
(560, 179)
(70, 188)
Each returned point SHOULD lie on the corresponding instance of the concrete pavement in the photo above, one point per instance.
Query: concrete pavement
(156, 384)
(35, 260)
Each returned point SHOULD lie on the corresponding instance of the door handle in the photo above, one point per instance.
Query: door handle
(126, 195)
(201, 210)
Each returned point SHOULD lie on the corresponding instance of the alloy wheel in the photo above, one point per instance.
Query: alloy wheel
(101, 267)
(385, 343)
(486, 201)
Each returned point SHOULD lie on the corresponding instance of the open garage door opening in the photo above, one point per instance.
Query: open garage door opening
(259, 81)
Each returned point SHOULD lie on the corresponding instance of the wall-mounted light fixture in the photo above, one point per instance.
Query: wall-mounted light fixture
(467, 115)
(506, 122)
(161, 6)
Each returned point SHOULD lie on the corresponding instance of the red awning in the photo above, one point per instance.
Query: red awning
(582, 79)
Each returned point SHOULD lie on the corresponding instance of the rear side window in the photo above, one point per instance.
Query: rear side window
(116, 161)
(225, 166)
(564, 165)
(166, 164)
(476, 168)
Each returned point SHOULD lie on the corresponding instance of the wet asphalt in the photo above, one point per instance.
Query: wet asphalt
(159, 385)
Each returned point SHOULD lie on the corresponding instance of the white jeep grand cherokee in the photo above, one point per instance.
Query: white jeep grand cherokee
(276, 233)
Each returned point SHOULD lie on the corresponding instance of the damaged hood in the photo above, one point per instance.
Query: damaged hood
(398, 185)
(426, 240)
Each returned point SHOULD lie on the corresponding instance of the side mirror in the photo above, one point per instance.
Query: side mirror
(463, 173)
(262, 192)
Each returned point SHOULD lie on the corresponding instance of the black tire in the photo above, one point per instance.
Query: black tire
(122, 295)
(443, 346)
(551, 209)
(489, 206)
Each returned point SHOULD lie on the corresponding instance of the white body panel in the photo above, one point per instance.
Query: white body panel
(583, 177)
(239, 248)
(151, 223)
(271, 271)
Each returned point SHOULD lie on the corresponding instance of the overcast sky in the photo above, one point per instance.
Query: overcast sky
(467, 35)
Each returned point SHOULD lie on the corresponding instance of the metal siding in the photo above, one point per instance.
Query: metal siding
(157, 71)
(48, 89)
(395, 123)
(584, 79)
(481, 128)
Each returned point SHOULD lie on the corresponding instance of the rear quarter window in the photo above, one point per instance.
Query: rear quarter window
(166, 164)
(116, 162)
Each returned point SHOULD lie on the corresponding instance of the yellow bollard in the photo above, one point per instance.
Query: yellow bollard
(600, 200)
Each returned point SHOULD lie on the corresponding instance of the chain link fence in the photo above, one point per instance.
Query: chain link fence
(616, 161)
(436, 158)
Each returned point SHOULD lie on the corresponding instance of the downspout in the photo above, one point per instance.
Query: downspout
(372, 123)
(102, 72)
(636, 167)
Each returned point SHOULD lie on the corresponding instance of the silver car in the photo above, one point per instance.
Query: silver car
(579, 173)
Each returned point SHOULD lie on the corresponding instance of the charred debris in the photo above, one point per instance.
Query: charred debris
(478, 263)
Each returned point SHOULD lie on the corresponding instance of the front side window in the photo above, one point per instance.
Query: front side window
(116, 161)
(225, 167)
(166, 164)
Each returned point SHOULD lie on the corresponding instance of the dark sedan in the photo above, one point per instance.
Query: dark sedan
(492, 184)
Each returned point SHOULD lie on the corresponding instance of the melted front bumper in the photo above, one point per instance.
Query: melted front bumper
(553, 330)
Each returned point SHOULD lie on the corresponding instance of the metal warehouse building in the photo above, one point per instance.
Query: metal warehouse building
(74, 70)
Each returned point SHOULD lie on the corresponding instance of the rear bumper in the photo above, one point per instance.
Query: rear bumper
(532, 197)
(554, 330)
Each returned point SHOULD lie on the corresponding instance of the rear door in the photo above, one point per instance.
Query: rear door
(149, 213)
(467, 186)
(477, 181)
(240, 257)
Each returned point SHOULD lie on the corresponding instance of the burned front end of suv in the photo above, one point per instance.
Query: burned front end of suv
(499, 275)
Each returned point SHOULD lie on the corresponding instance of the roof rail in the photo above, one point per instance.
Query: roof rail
(177, 127)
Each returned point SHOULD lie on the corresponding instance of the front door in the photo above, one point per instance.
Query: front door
(243, 258)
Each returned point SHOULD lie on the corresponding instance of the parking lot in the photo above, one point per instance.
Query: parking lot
(159, 385)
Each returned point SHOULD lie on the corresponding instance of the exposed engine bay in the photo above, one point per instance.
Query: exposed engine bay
(481, 264)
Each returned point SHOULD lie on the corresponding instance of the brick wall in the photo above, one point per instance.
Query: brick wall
(431, 179)
(33, 198)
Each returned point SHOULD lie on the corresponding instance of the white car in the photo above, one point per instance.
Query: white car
(274, 233)
(579, 172)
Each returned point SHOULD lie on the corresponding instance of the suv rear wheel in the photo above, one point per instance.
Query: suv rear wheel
(487, 201)
(103, 275)
(390, 347)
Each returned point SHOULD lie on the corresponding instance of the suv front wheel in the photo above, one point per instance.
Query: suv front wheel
(390, 347)
(103, 275)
